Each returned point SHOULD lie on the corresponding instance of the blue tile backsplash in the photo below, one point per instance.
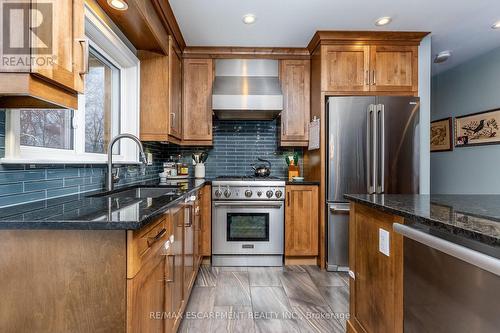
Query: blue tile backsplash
(237, 145)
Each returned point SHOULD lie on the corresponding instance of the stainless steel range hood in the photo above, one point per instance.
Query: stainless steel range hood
(247, 89)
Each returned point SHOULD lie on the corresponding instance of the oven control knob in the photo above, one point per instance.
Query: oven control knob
(278, 194)
(218, 193)
(269, 194)
(227, 193)
(248, 193)
(259, 194)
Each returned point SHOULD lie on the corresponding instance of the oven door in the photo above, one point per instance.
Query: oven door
(248, 227)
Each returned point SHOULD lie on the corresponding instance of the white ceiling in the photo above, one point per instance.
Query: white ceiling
(463, 26)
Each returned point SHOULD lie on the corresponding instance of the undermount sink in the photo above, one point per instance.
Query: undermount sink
(140, 192)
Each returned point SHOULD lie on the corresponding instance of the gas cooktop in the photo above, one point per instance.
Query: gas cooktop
(248, 188)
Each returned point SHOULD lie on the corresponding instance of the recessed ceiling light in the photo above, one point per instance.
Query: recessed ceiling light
(496, 25)
(118, 4)
(249, 19)
(442, 56)
(383, 21)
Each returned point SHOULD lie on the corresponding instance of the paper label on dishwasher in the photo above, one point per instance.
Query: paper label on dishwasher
(383, 241)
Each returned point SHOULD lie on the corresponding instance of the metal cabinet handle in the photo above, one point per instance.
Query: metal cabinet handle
(381, 148)
(475, 258)
(374, 82)
(288, 199)
(371, 148)
(332, 209)
(367, 77)
(152, 240)
(85, 55)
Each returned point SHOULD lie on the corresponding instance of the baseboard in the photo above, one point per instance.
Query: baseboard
(301, 260)
(206, 260)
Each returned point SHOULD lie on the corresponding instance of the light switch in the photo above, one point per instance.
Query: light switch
(383, 241)
(150, 158)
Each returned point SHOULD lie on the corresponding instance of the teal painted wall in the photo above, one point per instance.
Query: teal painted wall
(471, 87)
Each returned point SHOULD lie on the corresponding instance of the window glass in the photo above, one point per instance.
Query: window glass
(46, 128)
(102, 99)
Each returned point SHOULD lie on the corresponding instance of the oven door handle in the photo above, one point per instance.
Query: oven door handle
(253, 204)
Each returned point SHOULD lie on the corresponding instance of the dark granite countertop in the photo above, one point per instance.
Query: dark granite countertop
(469, 217)
(83, 212)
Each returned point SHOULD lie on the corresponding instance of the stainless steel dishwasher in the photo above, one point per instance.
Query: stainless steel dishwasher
(449, 287)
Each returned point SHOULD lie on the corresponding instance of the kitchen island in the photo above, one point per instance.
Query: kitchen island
(121, 261)
(424, 263)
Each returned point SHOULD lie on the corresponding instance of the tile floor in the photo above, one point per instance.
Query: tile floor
(267, 299)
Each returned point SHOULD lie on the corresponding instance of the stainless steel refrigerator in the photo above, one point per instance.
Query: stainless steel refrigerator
(373, 147)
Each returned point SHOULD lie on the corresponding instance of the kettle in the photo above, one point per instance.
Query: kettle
(262, 170)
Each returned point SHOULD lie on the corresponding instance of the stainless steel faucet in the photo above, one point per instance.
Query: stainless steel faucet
(142, 157)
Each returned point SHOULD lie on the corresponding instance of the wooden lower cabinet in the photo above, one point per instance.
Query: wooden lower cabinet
(158, 294)
(301, 221)
(376, 291)
(121, 281)
(150, 296)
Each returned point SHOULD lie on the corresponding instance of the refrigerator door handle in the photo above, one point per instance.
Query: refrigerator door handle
(381, 149)
(370, 127)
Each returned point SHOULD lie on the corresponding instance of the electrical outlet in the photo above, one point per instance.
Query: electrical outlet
(383, 241)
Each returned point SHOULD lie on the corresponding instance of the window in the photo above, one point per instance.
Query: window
(46, 128)
(102, 103)
(108, 107)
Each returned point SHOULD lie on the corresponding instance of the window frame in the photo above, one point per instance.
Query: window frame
(110, 45)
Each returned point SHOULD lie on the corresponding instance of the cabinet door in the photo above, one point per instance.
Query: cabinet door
(345, 68)
(394, 68)
(206, 220)
(197, 101)
(175, 91)
(148, 293)
(295, 78)
(177, 218)
(155, 114)
(377, 301)
(66, 64)
(188, 248)
(301, 221)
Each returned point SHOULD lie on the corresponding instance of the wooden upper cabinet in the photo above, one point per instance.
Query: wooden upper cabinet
(154, 96)
(161, 95)
(345, 68)
(57, 48)
(175, 91)
(394, 68)
(67, 62)
(197, 101)
(295, 84)
(369, 68)
(301, 220)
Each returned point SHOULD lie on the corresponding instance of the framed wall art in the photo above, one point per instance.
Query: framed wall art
(441, 135)
(476, 129)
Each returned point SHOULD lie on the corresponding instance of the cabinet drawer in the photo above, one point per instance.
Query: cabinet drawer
(141, 243)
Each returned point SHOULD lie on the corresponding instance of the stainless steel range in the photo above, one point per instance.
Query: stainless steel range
(247, 221)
